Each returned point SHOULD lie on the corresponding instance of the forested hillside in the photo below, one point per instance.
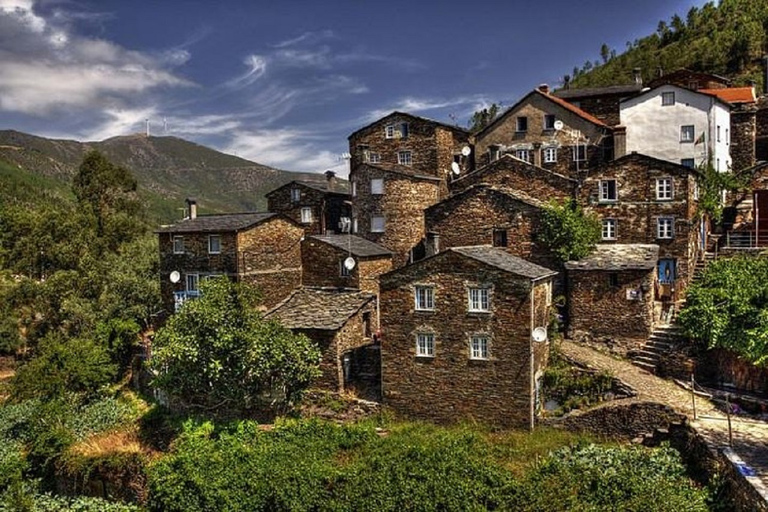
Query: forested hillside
(728, 39)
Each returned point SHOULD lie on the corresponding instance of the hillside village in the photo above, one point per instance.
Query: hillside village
(424, 278)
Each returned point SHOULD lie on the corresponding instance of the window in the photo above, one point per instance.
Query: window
(579, 153)
(613, 280)
(550, 155)
(377, 186)
(425, 298)
(523, 154)
(425, 344)
(687, 133)
(608, 190)
(367, 332)
(718, 133)
(377, 224)
(214, 244)
(404, 157)
(404, 130)
(178, 245)
(354, 189)
(549, 121)
(396, 131)
(665, 228)
(609, 229)
(667, 98)
(696, 190)
(494, 151)
(478, 347)
(295, 195)
(664, 189)
(500, 238)
(306, 215)
(522, 124)
(688, 162)
(479, 299)
(374, 158)
(192, 282)
(727, 136)
(343, 270)
(389, 131)
(717, 165)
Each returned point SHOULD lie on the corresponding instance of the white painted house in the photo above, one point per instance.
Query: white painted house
(679, 125)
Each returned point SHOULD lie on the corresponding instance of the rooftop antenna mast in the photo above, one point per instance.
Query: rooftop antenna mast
(147, 123)
(165, 126)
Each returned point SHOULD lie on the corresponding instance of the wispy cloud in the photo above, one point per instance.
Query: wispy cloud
(463, 104)
(306, 37)
(287, 148)
(256, 66)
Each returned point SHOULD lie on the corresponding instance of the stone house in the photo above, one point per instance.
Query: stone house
(318, 207)
(547, 132)
(342, 323)
(457, 336)
(262, 249)
(601, 102)
(611, 295)
(692, 80)
(645, 200)
(323, 258)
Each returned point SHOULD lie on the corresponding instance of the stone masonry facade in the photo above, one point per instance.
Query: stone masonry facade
(326, 206)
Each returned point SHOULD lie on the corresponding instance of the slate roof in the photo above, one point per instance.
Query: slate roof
(618, 257)
(341, 187)
(356, 245)
(320, 308)
(218, 222)
(517, 195)
(402, 170)
(589, 92)
(501, 259)
(397, 113)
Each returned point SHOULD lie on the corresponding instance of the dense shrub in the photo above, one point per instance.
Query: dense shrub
(24, 496)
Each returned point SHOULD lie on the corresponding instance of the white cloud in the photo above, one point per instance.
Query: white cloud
(257, 66)
(121, 122)
(305, 38)
(416, 105)
(287, 148)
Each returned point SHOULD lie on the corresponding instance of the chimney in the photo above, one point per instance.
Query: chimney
(544, 88)
(619, 141)
(637, 76)
(330, 176)
(191, 208)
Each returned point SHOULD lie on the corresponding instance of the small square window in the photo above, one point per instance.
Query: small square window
(522, 124)
(688, 162)
(687, 133)
(389, 131)
(549, 121)
(665, 228)
(500, 238)
(667, 98)
(214, 244)
(404, 158)
(178, 245)
(424, 298)
(425, 344)
(608, 191)
(377, 224)
(664, 189)
(306, 215)
(609, 229)
(479, 299)
(295, 195)
(377, 186)
(523, 154)
(478, 347)
(550, 155)
(374, 158)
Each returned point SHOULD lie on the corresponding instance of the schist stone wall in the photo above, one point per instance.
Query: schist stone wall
(327, 208)
(637, 209)
(451, 386)
(743, 135)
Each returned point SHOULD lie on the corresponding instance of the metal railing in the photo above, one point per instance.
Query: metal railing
(746, 239)
(179, 298)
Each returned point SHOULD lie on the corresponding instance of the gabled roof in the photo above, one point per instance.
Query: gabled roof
(397, 113)
(320, 308)
(618, 257)
(649, 90)
(342, 187)
(355, 245)
(222, 222)
(402, 170)
(652, 161)
(590, 92)
(516, 195)
(663, 79)
(502, 260)
(733, 95)
(511, 158)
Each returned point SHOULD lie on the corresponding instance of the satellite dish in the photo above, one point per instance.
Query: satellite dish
(455, 168)
(558, 125)
(540, 334)
(349, 263)
(466, 150)
(175, 276)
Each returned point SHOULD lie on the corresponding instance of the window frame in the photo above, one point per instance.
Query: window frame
(481, 303)
(521, 124)
(500, 237)
(580, 152)
(389, 131)
(374, 158)
(523, 154)
(664, 233)
(549, 122)
(609, 229)
(306, 215)
(178, 244)
(687, 133)
(295, 194)
(211, 238)
(685, 161)
(425, 292)
(665, 98)
(481, 352)
(405, 156)
(343, 270)
(549, 155)
(428, 347)
(377, 186)
(603, 195)
(665, 193)
(383, 224)
(192, 277)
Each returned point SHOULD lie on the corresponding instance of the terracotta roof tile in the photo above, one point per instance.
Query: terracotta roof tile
(573, 108)
(733, 94)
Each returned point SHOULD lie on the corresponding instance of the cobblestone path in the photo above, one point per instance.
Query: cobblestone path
(750, 437)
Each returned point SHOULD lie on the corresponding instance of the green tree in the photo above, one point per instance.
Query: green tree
(218, 352)
(568, 231)
(712, 184)
(482, 118)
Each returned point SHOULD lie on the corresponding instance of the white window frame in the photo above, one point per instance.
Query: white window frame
(577, 152)
(667, 98)
(377, 186)
(389, 131)
(479, 347)
(665, 228)
(295, 194)
(550, 155)
(665, 189)
(405, 158)
(192, 278)
(604, 191)
(424, 298)
(523, 154)
(382, 223)
(519, 121)
(178, 245)
(425, 344)
(306, 215)
(374, 158)
(211, 248)
(478, 299)
(687, 133)
(609, 229)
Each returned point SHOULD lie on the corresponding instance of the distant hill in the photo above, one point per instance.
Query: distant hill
(728, 39)
(168, 170)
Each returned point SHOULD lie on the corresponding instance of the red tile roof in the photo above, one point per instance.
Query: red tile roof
(573, 108)
(732, 94)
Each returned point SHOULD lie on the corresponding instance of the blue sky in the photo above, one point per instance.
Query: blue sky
(284, 82)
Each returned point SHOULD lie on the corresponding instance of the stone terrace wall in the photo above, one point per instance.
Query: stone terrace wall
(743, 133)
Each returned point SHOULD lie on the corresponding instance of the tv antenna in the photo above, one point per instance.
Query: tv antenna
(165, 126)
(147, 123)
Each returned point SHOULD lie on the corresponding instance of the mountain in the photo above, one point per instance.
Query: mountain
(168, 169)
(727, 39)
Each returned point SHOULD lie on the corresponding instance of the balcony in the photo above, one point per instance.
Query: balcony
(179, 298)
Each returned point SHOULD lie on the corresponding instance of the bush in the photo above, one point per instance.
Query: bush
(569, 232)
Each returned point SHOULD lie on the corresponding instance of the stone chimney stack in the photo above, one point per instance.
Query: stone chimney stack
(544, 88)
(637, 76)
(330, 176)
(191, 208)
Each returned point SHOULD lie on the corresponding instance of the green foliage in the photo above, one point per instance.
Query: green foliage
(712, 184)
(728, 308)
(25, 496)
(572, 387)
(568, 231)
(484, 117)
(218, 351)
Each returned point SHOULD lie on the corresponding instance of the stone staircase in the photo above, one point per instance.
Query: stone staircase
(662, 341)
